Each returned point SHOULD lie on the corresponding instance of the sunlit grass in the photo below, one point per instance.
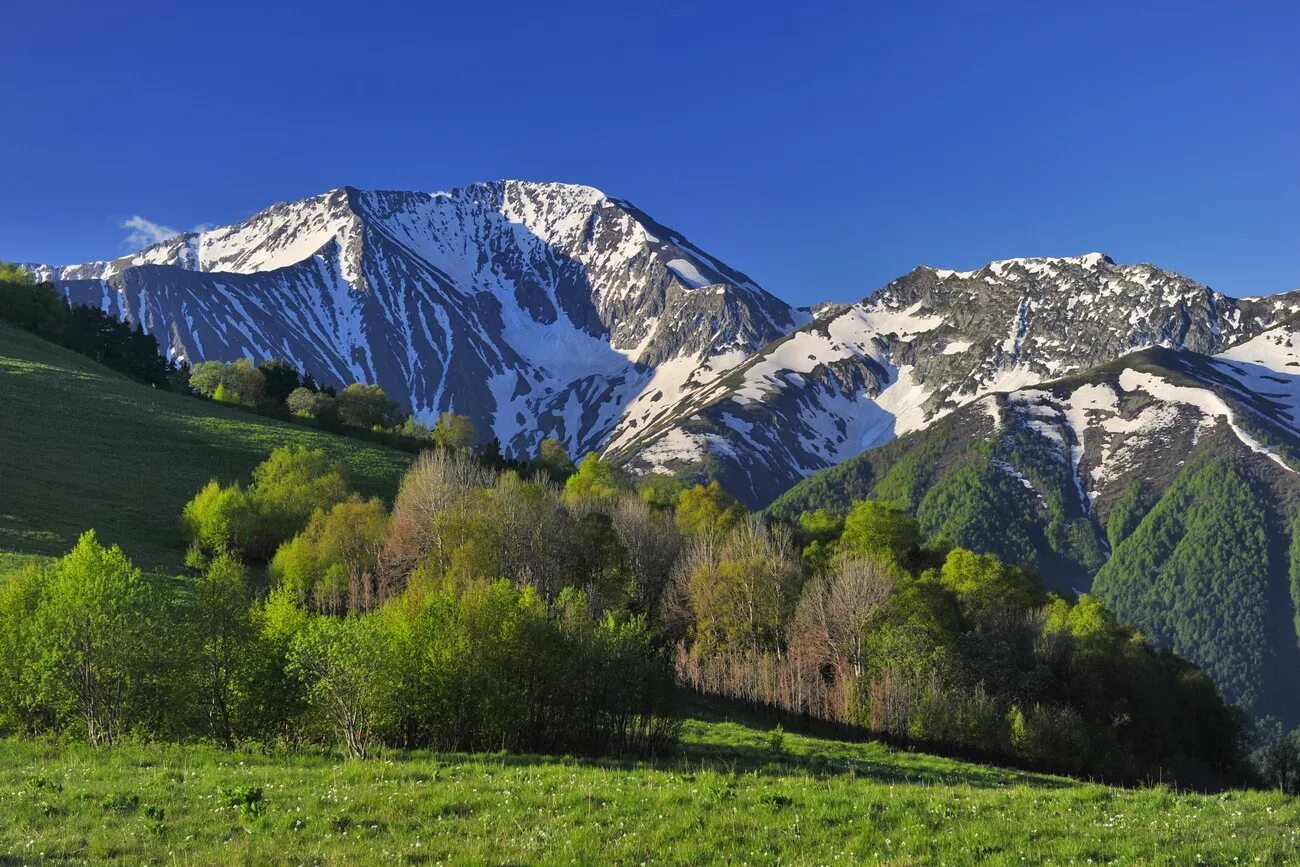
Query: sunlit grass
(727, 796)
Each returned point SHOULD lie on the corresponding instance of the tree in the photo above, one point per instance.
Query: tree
(983, 581)
(94, 627)
(206, 376)
(20, 597)
(335, 561)
(319, 405)
(344, 663)
(368, 406)
(11, 273)
(239, 382)
(874, 529)
(1277, 756)
(281, 378)
(741, 594)
(710, 509)
(554, 460)
(661, 490)
(437, 481)
(291, 484)
(819, 533)
(224, 633)
(595, 479)
(651, 543)
(220, 518)
(836, 610)
(455, 431)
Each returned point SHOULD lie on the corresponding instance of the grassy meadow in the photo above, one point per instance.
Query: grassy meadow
(82, 447)
(732, 794)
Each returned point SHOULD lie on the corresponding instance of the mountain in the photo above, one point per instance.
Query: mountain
(925, 345)
(553, 310)
(536, 309)
(1164, 481)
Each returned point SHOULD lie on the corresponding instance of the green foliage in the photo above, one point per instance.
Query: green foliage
(818, 535)
(238, 382)
(456, 431)
(288, 487)
(984, 581)
(970, 507)
(21, 587)
(595, 479)
(367, 406)
(1194, 575)
(311, 404)
(344, 663)
(91, 659)
(661, 490)
(875, 529)
(1127, 513)
(281, 379)
(334, 562)
(40, 309)
(708, 509)
(1277, 756)
(223, 641)
(742, 591)
(221, 518)
(554, 460)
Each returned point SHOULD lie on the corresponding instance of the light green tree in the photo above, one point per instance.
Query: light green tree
(93, 627)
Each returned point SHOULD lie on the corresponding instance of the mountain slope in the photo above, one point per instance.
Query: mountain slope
(1165, 481)
(83, 447)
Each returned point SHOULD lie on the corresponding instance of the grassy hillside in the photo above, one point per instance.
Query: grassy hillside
(729, 795)
(82, 446)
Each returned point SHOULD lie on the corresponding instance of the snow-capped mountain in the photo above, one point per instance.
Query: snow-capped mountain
(537, 309)
(930, 342)
(553, 310)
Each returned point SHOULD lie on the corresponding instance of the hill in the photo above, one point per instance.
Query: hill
(82, 446)
(728, 795)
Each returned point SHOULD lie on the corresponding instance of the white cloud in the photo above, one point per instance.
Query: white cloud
(146, 232)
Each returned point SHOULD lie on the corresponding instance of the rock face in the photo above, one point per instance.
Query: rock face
(552, 310)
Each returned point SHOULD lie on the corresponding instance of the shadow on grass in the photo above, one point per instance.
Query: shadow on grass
(737, 742)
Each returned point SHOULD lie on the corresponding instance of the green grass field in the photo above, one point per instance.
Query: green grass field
(82, 447)
(727, 797)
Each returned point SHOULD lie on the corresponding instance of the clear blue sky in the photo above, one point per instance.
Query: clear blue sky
(824, 148)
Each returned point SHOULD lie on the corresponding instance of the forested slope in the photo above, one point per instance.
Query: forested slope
(1155, 475)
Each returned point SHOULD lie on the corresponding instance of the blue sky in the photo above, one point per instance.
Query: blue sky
(823, 148)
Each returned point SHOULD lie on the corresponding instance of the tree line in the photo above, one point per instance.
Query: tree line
(554, 607)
